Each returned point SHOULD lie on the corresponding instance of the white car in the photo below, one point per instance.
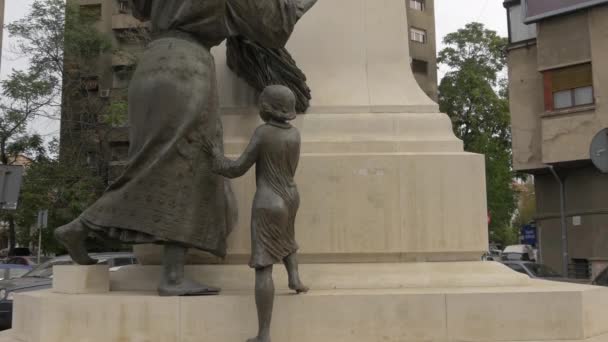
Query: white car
(519, 252)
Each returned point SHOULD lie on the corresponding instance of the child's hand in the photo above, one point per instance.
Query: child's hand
(210, 146)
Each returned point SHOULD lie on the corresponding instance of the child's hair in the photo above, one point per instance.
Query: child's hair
(277, 102)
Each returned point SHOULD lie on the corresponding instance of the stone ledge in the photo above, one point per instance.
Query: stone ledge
(553, 311)
(337, 276)
(357, 133)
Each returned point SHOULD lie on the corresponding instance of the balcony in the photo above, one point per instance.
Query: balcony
(123, 59)
(126, 22)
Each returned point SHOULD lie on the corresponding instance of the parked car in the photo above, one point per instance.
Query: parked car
(26, 260)
(489, 257)
(41, 277)
(10, 271)
(601, 279)
(533, 270)
(493, 254)
(519, 252)
(496, 253)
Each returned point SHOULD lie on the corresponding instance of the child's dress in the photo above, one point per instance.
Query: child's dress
(275, 149)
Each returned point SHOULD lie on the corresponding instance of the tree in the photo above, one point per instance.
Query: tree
(63, 46)
(526, 208)
(64, 189)
(25, 95)
(65, 49)
(474, 94)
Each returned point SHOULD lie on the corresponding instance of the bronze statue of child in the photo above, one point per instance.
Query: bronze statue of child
(275, 150)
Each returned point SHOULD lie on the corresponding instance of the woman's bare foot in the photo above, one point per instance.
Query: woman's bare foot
(73, 237)
(185, 288)
(259, 339)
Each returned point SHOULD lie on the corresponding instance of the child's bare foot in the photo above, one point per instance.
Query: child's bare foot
(297, 286)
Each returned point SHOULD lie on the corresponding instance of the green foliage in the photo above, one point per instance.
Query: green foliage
(65, 189)
(117, 113)
(52, 30)
(62, 44)
(505, 236)
(473, 94)
(25, 95)
(526, 208)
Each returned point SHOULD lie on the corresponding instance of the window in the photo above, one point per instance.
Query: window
(518, 30)
(17, 261)
(122, 262)
(418, 35)
(569, 87)
(123, 6)
(90, 83)
(420, 66)
(46, 270)
(542, 271)
(417, 5)
(17, 272)
(122, 75)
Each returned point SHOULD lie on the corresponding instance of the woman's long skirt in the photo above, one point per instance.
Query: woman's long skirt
(168, 192)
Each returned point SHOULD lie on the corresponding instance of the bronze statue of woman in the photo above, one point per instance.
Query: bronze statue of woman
(275, 151)
(168, 193)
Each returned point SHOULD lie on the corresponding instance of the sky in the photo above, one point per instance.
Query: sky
(450, 15)
(15, 10)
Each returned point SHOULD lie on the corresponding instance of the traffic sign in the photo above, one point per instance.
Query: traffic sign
(599, 150)
(10, 185)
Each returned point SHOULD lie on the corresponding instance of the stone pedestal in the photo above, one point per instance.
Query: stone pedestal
(398, 302)
(382, 178)
(81, 279)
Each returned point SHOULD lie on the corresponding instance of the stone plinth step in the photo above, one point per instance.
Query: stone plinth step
(336, 276)
(540, 311)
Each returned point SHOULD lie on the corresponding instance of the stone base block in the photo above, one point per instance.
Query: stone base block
(69, 279)
(378, 207)
(335, 276)
(540, 311)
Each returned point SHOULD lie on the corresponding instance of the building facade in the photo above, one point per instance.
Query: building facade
(423, 47)
(558, 86)
(101, 140)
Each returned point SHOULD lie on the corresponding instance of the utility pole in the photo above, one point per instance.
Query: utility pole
(564, 224)
(43, 223)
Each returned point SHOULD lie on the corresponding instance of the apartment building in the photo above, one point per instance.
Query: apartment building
(423, 47)
(558, 87)
(104, 83)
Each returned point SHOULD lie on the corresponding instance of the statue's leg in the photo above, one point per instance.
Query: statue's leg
(291, 264)
(73, 237)
(173, 282)
(264, 301)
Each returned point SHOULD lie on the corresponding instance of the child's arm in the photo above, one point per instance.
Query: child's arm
(234, 168)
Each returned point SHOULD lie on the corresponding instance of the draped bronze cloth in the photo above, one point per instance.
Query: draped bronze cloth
(168, 192)
(275, 151)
